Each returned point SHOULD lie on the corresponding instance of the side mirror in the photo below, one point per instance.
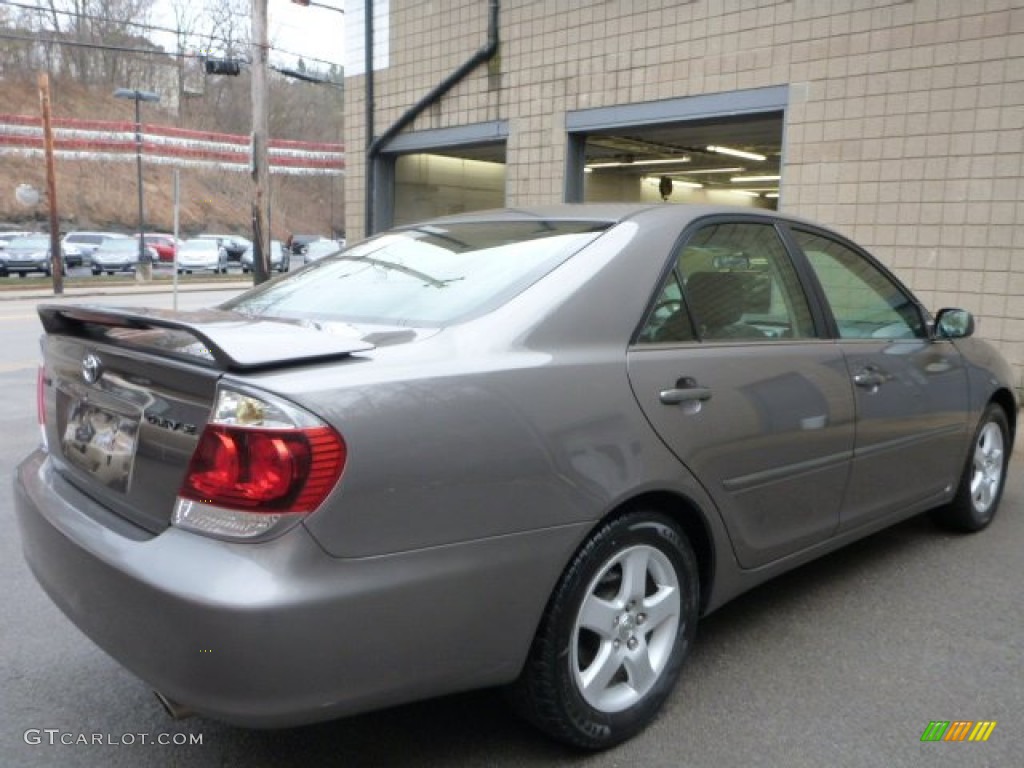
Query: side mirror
(953, 323)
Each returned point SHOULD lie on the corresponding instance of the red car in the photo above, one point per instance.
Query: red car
(164, 245)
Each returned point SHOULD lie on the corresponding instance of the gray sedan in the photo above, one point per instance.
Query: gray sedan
(522, 448)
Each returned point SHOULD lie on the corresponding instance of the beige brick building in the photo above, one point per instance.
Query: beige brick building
(899, 123)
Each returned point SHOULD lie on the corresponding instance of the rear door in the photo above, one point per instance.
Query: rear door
(730, 371)
(910, 390)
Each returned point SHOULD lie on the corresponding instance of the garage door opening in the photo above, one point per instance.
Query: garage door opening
(441, 183)
(725, 161)
(719, 148)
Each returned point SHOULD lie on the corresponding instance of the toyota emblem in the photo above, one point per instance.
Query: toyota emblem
(92, 368)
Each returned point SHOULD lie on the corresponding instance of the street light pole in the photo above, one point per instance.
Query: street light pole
(137, 95)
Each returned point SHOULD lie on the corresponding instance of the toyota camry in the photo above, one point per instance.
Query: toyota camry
(524, 448)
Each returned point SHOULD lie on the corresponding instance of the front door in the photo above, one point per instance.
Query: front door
(911, 391)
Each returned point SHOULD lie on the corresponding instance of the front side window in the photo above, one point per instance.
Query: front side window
(731, 281)
(866, 303)
(430, 275)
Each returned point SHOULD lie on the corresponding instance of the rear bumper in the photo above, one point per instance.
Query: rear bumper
(279, 633)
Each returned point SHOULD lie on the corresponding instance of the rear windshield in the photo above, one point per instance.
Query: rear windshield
(423, 276)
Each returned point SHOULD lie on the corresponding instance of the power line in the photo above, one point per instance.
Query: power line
(98, 46)
(146, 27)
(105, 19)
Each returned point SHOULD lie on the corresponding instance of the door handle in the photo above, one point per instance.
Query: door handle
(686, 390)
(869, 378)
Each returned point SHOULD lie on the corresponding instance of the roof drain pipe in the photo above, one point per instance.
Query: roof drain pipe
(486, 53)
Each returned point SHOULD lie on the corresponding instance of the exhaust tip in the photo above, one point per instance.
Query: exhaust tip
(171, 707)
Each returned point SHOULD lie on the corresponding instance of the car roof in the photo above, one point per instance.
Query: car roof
(611, 213)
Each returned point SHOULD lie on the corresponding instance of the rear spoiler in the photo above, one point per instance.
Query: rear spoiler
(229, 340)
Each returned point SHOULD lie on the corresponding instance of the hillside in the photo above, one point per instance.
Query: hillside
(101, 194)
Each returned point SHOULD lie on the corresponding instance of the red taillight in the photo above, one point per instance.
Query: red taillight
(264, 470)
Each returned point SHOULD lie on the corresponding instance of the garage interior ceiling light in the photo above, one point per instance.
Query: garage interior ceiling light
(748, 179)
(620, 164)
(695, 171)
(736, 153)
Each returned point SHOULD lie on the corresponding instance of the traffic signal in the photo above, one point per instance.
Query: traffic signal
(223, 67)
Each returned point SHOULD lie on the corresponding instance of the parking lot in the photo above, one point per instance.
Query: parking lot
(843, 662)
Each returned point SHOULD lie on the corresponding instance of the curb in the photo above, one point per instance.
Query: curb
(76, 292)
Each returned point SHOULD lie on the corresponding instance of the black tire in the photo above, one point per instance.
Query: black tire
(984, 476)
(551, 693)
(97, 271)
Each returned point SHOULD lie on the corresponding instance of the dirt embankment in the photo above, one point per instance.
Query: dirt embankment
(101, 194)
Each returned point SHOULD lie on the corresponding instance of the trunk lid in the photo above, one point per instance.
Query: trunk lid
(127, 392)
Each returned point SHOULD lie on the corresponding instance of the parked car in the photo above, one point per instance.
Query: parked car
(279, 260)
(6, 237)
(234, 245)
(120, 254)
(164, 245)
(87, 242)
(297, 243)
(73, 256)
(525, 447)
(202, 254)
(23, 255)
(318, 249)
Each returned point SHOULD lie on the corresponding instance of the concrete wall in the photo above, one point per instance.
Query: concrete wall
(434, 185)
(904, 131)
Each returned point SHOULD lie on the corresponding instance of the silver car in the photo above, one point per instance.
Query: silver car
(525, 448)
(119, 254)
(199, 254)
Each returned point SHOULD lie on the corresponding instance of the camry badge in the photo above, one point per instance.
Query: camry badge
(92, 368)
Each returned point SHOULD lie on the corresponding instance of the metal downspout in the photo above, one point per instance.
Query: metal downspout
(370, 170)
(486, 53)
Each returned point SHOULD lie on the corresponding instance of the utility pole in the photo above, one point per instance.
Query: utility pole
(56, 257)
(260, 156)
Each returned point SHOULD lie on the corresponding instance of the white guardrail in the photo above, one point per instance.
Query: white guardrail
(165, 145)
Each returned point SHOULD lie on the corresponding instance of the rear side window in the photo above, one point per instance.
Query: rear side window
(731, 281)
(424, 276)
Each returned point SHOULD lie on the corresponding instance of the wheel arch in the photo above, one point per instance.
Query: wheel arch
(688, 515)
(1005, 399)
